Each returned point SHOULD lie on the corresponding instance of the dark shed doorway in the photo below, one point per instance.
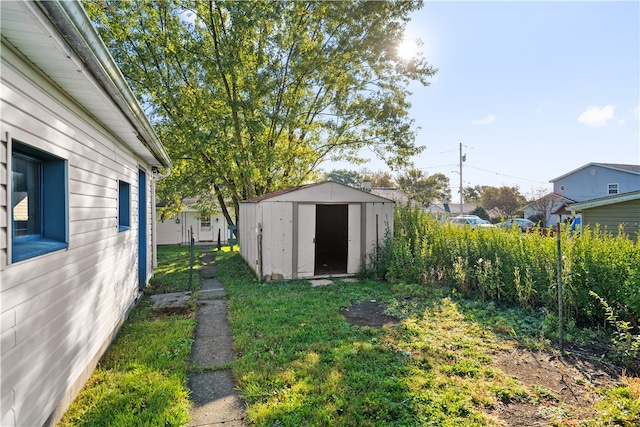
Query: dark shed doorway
(331, 239)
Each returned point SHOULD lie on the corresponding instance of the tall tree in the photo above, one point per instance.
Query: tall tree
(379, 178)
(424, 188)
(251, 96)
(345, 176)
(472, 194)
(506, 200)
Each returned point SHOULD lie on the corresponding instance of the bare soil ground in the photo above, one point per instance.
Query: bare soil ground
(565, 386)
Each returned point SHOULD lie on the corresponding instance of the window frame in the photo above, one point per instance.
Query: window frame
(613, 186)
(124, 206)
(53, 205)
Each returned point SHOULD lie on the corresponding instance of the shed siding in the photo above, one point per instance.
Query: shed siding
(248, 230)
(59, 309)
(354, 230)
(611, 216)
(289, 224)
(306, 239)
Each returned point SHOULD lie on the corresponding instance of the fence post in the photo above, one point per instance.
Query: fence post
(192, 244)
(560, 315)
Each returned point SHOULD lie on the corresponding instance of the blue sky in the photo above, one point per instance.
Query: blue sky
(532, 90)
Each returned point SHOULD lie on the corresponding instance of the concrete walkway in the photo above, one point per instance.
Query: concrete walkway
(216, 402)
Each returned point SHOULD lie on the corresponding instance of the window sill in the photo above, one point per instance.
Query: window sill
(31, 247)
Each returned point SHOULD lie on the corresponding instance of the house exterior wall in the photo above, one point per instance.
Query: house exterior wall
(60, 310)
(609, 218)
(177, 229)
(592, 182)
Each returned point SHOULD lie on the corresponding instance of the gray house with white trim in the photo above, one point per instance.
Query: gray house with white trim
(78, 165)
(595, 180)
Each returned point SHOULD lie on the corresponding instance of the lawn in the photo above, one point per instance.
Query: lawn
(445, 360)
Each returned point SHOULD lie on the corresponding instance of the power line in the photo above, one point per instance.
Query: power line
(509, 176)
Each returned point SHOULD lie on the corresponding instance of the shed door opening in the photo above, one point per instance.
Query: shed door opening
(331, 239)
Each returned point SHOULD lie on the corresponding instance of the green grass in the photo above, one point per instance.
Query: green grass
(141, 379)
(301, 364)
(172, 273)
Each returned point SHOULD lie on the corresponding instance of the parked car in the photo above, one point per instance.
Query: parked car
(523, 224)
(471, 220)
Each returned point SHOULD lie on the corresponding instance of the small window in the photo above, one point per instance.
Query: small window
(612, 188)
(39, 202)
(205, 223)
(124, 206)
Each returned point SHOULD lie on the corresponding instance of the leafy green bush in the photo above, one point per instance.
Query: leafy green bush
(505, 265)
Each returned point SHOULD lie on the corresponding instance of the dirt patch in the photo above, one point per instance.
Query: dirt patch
(562, 387)
(368, 313)
(559, 387)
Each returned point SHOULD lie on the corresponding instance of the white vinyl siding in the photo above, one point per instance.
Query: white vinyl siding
(59, 309)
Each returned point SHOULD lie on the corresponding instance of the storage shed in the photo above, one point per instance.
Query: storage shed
(78, 165)
(322, 229)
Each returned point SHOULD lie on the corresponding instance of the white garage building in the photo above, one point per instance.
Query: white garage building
(322, 229)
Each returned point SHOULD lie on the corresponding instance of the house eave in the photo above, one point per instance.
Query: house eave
(78, 62)
(604, 201)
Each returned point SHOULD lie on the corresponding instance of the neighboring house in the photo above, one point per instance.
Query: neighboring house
(551, 208)
(596, 180)
(612, 211)
(78, 164)
(177, 229)
(451, 209)
(322, 229)
(397, 195)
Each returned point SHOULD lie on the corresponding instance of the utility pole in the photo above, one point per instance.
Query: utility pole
(462, 159)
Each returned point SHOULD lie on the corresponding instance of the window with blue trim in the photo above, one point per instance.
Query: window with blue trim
(39, 202)
(124, 206)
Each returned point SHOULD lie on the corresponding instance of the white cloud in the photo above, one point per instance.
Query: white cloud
(597, 116)
(636, 112)
(485, 121)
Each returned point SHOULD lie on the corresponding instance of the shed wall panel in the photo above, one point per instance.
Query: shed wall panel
(277, 239)
(354, 252)
(306, 239)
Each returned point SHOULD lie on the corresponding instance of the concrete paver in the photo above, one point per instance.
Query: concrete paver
(216, 402)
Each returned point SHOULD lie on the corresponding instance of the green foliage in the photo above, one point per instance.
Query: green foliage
(481, 212)
(424, 188)
(141, 379)
(507, 266)
(507, 200)
(620, 406)
(251, 96)
(624, 340)
(300, 363)
(172, 273)
(346, 177)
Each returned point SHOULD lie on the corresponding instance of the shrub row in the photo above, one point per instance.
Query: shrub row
(505, 265)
